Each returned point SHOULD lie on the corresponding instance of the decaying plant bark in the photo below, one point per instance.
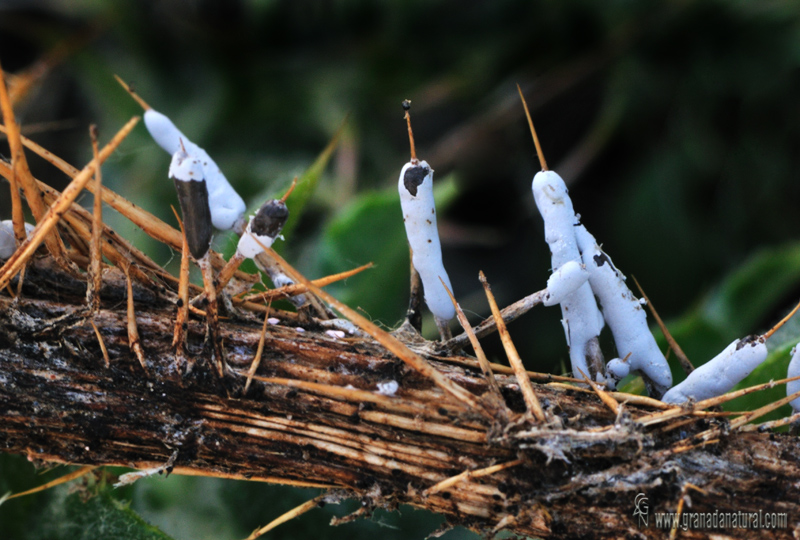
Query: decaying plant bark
(313, 417)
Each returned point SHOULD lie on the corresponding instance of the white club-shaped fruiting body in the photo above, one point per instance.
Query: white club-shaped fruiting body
(722, 372)
(187, 173)
(227, 207)
(8, 242)
(250, 244)
(616, 370)
(564, 281)
(263, 228)
(794, 371)
(580, 316)
(419, 216)
(624, 314)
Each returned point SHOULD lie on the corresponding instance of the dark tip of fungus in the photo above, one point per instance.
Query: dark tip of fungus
(406, 104)
(413, 177)
(270, 219)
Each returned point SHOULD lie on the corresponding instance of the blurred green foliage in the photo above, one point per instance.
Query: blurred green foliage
(675, 123)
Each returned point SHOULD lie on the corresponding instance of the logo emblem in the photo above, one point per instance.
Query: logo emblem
(641, 508)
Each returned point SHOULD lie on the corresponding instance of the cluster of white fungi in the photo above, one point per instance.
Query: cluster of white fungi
(583, 275)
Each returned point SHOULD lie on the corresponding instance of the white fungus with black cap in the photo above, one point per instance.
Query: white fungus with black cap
(227, 207)
(722, 372)
(187, 173)
(263, 228)
(419, 217)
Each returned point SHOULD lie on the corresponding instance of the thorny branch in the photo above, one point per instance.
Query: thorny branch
(313, 416)
(104, 387)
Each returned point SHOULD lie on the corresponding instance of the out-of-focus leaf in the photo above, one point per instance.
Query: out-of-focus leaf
(371, 229)
(753, 291)
(254, 504)
(102, 516)
(307, 182)
(60, 512)
(187, 507)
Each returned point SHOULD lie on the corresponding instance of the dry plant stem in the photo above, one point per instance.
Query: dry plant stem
(227, 272)
(673, 533)
(17, 215)
(604, 396)
(483, 362)
(96, 268)
(538, 146)
(414, 311)
(682, 358)
(57, 482)
(531, 401)
(303, 302)
(102, 344)
(674, 412)
(509, 314)
(259, 352)
(411, 144)
(182, 313)
(212, 316)
(24, 176)
(18, 222)
(288, 516)
(339, 432)
(772, 424)
(134, 342)
(142, 103)
(115, 248)
(150, 224)
(289, 290)
(780, 323)
(394, 345)
(48, 220)
(466, 475)
(761, 411)
(543, 377)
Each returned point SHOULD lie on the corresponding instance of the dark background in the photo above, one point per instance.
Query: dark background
(675, 124)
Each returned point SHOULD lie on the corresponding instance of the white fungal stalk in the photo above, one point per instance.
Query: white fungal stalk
(564, 281)
(722, 372)
(794, 371)
(227, 207)
(616, 370)
(580, 316)
(625, 315)
(419, 216)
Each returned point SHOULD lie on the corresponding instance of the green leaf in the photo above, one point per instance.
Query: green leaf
(307, 182)
(103, 516)
(69, 511)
